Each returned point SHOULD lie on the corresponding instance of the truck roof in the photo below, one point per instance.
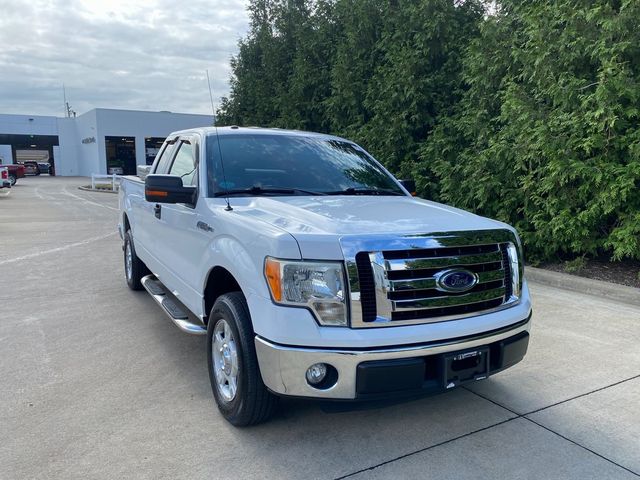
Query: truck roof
(237, 130)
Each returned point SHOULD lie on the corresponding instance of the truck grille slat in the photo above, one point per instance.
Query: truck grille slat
(442, 314)
(439, 262)
(448, 300)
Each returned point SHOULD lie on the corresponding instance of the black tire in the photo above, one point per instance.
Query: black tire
(12, 179)
(252, 403)
(138, 268)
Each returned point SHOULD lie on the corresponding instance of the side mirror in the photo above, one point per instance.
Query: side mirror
(168, 189)
(410, 186)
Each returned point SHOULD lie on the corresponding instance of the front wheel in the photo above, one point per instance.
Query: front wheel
(234, 373)
(12, 179)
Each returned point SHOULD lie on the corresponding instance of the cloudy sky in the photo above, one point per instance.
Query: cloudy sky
(135, 54)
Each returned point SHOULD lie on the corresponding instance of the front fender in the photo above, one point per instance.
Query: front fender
(244, 259)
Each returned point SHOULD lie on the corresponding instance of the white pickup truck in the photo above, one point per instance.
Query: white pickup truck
(315, 273)
(5, 182)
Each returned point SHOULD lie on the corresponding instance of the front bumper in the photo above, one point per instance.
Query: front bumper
(383, 372)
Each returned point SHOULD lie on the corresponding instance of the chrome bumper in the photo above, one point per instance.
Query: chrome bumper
(283, 368)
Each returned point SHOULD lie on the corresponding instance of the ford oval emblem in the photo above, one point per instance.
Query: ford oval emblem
(456, 280)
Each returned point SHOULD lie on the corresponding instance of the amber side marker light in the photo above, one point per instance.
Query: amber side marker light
(272, 272)
(156, 193)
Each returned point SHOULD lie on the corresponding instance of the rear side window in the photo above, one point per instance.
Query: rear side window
(165, 158)
(184, 164)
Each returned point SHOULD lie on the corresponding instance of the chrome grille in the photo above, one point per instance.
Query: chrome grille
(396, 287)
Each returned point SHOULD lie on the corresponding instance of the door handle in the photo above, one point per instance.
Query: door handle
(157, 210)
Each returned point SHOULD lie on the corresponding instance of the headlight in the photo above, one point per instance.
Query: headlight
(317, 286)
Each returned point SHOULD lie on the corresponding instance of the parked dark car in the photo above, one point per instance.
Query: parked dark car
(43, 167)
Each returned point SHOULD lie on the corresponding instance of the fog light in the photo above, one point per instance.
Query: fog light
(316, 373)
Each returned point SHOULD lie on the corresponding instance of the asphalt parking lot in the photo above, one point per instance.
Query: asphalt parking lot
(97, 383)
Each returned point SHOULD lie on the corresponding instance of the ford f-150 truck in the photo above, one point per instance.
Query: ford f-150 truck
(315, 273)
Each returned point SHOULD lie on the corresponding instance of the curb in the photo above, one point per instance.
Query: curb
(574, 283)
(101, 190)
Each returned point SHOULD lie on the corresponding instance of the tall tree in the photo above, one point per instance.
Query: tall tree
(547, 136)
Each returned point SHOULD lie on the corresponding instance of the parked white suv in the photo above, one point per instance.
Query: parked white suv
(315, 273)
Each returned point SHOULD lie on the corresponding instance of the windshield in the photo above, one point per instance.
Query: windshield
(259, 164)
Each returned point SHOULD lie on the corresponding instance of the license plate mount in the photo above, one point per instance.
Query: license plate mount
(465, 366)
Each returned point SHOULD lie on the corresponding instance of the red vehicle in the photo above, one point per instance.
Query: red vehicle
(15, 172)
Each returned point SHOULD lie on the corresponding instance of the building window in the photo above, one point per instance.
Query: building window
(121, 155)
(152, 146)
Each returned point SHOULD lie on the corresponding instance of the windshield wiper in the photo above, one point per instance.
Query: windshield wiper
(365, 191)
(257, 190)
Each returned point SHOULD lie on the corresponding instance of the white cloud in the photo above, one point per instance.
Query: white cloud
(142, 54)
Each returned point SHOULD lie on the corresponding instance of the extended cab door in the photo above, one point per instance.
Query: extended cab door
(181, 238)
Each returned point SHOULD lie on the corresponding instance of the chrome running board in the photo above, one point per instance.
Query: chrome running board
(185, 321)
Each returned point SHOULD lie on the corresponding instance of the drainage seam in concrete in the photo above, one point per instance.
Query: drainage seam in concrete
(582, 446)
(424, 449)
(581, 395)
(517, 415)
(524, 416)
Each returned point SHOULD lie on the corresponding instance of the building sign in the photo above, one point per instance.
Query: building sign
(89, 140)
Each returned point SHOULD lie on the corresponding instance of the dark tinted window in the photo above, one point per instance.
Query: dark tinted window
(165, 158)
(293, 161)
(184, 164)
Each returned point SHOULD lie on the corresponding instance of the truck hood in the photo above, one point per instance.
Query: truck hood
(318, 223)
(349, 215)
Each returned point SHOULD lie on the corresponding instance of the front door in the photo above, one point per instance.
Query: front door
(182, 237)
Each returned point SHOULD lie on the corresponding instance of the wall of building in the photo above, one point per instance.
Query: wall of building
(65, 156)
(81, 140)
(88, 144)
(129, 123)
(28, 125)
(5, 154)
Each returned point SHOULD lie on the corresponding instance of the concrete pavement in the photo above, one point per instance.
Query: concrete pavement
(97, 383)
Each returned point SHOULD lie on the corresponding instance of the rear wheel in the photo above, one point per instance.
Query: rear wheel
(234, 373)
(134, 268)
(12, 179)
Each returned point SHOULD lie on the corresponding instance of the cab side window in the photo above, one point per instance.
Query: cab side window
(184, 164)
(165, 158)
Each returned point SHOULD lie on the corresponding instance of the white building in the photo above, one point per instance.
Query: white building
(99, 141)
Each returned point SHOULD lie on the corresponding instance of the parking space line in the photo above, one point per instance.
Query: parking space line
(57, 249)
(66, 192)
